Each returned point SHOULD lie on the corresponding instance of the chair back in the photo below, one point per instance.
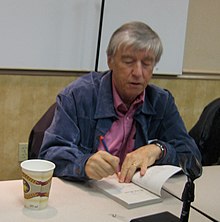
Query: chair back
(37, 133)
(206, 133)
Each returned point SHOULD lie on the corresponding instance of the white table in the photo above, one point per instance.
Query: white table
(71, 201)
(207, 191)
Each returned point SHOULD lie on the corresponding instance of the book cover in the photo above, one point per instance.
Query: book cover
(141, 191)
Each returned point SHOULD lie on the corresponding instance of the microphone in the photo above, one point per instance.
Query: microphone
(192, 168)
(190, 165)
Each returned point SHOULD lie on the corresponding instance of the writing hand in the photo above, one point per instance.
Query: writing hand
(141, 158)
(101, 164)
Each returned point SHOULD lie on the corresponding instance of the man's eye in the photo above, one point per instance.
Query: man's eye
(147, 64)
(128, 61)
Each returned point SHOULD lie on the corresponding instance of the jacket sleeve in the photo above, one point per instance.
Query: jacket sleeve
(61, 143)
(173, 134)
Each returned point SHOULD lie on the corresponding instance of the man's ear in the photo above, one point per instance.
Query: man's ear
(110, 62)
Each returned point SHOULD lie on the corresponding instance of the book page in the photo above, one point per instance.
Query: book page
(155, 177)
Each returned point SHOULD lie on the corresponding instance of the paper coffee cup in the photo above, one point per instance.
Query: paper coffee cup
(37, 176)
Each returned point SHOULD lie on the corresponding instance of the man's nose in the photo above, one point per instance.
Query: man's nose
(137, 69)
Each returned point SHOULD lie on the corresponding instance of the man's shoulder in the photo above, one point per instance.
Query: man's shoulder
(158, 97)
(154, 90)
(84, 83)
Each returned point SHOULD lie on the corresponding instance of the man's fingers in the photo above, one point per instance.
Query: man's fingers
(113, 161)
(143, 169)
(101, 164)
(127, 173)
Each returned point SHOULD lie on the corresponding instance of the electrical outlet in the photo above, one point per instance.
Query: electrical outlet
(22, 151)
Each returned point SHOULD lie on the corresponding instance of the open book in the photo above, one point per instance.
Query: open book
(142, 190)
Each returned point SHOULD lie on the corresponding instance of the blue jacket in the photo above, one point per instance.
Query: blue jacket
(85, 111)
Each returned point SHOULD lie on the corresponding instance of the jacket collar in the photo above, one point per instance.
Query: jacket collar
(147, 107)
(105, 104)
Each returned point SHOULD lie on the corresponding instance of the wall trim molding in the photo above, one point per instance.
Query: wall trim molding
(196, 75)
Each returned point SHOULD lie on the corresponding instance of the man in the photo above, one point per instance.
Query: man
(139, 122)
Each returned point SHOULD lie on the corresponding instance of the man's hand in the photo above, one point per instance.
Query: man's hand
(141, 159)
(101, 164)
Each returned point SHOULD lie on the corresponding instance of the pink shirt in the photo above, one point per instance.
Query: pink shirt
(120, 137)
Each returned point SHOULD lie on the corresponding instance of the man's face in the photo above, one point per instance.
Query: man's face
(131, 72)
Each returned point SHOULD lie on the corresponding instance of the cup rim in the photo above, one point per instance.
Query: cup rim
(51, 167)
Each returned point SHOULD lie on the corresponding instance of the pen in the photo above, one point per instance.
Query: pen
(101, 138)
